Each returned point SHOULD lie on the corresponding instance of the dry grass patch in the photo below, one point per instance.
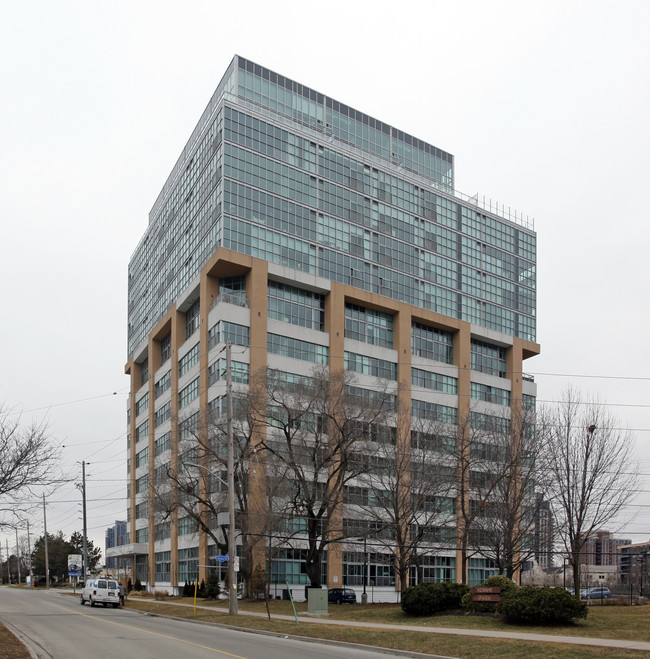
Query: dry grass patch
(12, 647)
(630, 623)
(463, 647)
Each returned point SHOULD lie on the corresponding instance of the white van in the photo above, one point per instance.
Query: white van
(102, 590)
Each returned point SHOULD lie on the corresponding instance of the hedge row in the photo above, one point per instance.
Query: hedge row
(535, 606)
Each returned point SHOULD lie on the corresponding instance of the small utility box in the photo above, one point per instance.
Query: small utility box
(317, 602)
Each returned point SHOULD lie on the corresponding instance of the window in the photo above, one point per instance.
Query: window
(161, 472)
(142, 510)
(188, 565)
(432, 343)
(294, 305)
(238, 371)
(163, 443)
(488, 358)
(368, 325)
(142, 404)
(163, 384)
(186, 362)
(142, 458)
(163, 562)
(372, 397)
(163, 531)
(490, 394)
(233, 290)
(142, 535)
(370, 366)
(187, 525)
(297, 349)
(433, 411)
(144, 372)
(188, 394)
(188, 427)
(434, 381)
(192, 319)
(163, 414)
(528, 402)
(489, 423)
(142, 431)
(141, 484)
(165, 348)
(225, 331)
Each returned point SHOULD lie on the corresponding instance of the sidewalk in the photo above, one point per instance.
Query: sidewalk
(545, 638)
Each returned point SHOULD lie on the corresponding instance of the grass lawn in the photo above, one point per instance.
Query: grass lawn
(606, 622)
(10, 646)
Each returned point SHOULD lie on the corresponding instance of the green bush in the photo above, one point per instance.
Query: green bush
(212, 588)
(425, 599)
(506, 585)
(137, 586)
(541, 606)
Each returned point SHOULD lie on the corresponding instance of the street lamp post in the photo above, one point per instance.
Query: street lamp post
(364, 596)
(232, 547)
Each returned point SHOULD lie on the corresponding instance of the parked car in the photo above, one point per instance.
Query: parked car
(601, 592)
(341, 596)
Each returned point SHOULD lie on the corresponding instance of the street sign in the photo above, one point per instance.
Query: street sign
(222, 559)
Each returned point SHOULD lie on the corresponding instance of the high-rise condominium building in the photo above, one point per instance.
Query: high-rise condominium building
(308, 233)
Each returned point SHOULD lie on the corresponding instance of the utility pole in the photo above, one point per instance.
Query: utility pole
(233, 561)
(17, 556)
(47, 557)
(8, 572)
(83, 494)
(29, 550)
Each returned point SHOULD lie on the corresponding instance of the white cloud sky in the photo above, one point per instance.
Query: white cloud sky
(544, 105)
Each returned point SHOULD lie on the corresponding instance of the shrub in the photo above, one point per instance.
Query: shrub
(160, 595)
(425, 599)
(498, 580)
(212, 589)
(541, 606)
(129, 586)
(188, 589)
(138, 586)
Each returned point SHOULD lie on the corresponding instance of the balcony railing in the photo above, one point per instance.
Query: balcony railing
(231, 298)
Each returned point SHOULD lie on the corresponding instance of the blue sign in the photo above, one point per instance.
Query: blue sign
(222, 559)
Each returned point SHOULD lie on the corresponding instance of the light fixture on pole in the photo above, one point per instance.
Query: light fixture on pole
(364, 596)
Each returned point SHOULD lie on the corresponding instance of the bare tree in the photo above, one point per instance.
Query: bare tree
(405, 495)
(512, 459)
(315, 434)
(28, 459)
(196, 487)
(592, 474)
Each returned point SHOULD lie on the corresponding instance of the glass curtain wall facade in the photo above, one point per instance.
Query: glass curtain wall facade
(312, 233)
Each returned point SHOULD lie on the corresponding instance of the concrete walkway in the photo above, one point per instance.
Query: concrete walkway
(480, 633)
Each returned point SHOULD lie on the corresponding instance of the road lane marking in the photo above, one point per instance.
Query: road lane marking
(146, 631)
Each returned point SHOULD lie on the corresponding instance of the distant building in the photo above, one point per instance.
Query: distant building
(116, 536)
(544, 531)
(602, 549)
(633, 565)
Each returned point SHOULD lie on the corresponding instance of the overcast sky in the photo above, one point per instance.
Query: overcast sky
(545, 107)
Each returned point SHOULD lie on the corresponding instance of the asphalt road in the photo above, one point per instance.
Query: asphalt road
(53, 625)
